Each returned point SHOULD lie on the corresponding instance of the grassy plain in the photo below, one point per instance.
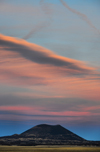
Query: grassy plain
(48, 149)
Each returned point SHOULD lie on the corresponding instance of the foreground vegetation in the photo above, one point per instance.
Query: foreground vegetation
(48, 149)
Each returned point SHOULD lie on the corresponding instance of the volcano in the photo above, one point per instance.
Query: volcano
(45, 134)
(55, 132)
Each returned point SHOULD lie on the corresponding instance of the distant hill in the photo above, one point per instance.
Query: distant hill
(46, 135)
(51, 132)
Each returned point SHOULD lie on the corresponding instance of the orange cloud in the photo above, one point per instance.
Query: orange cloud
(40, 55)
(33, 64)
(24, 63)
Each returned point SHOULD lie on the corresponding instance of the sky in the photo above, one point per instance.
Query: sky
(50, 65)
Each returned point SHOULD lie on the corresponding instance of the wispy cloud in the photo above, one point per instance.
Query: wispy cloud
(22, 113)
(45, 108)
(36, 29)
(48, 12)
(47, 9)
(42, 111)
(81, 15)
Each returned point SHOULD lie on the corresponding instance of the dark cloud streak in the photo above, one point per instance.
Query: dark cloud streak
(35, 30)
(47, 11)
(82, 16)
(41, 55)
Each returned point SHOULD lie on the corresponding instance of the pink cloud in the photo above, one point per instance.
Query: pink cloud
(26, 64)
(91, 108)
(43, 111)
(25, 113)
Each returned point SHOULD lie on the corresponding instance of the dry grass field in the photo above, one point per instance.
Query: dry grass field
(48, 149)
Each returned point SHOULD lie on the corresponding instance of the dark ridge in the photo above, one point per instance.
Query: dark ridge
(45, 134)
(51, 131)
(15, 135)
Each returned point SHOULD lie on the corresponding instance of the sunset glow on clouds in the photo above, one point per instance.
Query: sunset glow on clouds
(24, 63)
(40, 55)
(49, 63)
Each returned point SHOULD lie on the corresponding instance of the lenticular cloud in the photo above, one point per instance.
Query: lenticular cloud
(40, 55)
